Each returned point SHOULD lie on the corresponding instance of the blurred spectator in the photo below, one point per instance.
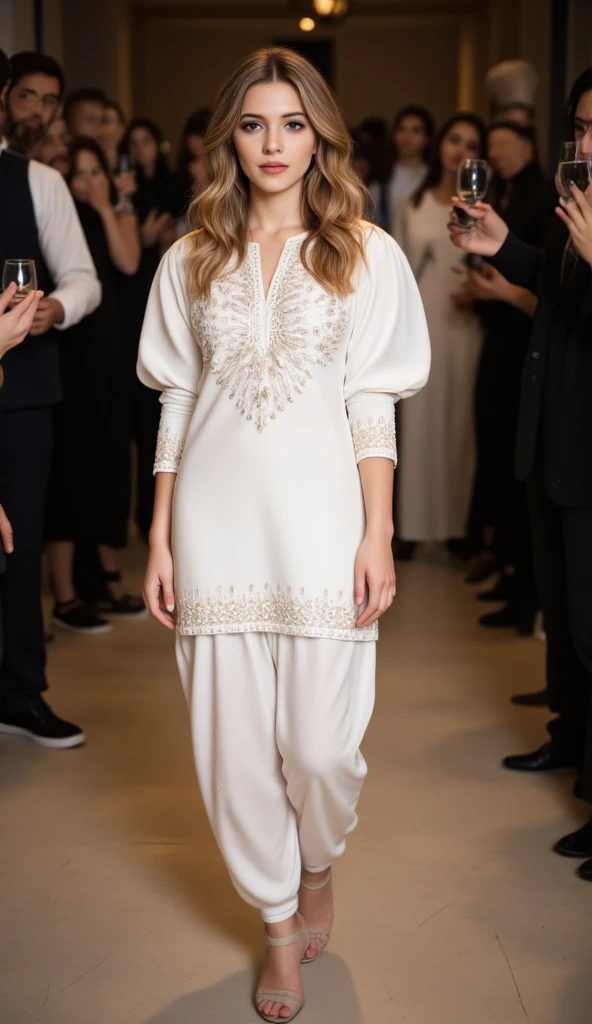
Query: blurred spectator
(38, 217)
(190, 170)
(157, 201)
(413, 130)
(111, 134)
(88, 495)
(33, 99)
(54, 149)
(84, 112)
(521, 195)
(437, 459)
(373, 138)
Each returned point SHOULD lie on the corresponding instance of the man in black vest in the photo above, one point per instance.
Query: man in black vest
(37, 221)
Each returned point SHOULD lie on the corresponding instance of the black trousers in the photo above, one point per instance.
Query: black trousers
(562, 539)
(25, 454)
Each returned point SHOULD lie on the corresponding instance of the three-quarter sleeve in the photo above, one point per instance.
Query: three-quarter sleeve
(170, 358)
(388, 354)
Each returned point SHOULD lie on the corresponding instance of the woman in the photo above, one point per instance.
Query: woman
(280, 298)
(156, 201)
(112, 133)
(88, 495)
(373, 139)
(521, 195)
(412, 133)
(553, 456)
(435, 478)
(190, 166)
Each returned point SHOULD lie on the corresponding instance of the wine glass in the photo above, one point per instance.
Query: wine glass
(124, 165)
(471, 186)
(569, 151)
(573, 172)
(24, 275)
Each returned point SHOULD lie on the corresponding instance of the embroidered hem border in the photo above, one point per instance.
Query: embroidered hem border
(270, 611)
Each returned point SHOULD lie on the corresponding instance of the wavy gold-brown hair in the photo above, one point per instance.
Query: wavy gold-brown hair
(333, 197)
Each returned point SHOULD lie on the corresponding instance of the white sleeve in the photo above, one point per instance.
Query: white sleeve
(388, 354)
(170, 358)
(63, 245)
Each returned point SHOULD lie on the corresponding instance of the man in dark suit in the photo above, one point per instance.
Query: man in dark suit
(37, 221)
(554, 456)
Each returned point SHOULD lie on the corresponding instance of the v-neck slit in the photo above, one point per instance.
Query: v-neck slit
(275, 276)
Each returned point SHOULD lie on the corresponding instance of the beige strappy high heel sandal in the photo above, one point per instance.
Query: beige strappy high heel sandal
(285, 997)
(317, 933)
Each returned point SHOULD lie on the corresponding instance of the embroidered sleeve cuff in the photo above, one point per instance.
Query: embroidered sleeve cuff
(375, 437)
(169, 449)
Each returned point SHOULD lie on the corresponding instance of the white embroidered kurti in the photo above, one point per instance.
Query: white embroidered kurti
(267, 406)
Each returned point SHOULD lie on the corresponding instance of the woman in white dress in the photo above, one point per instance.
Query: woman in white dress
(437, 450)
(412, 133)
(281, 334)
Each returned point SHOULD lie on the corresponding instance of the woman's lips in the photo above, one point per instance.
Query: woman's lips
(273, 168)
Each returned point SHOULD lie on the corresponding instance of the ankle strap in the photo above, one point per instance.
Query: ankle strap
(289, 940)
(316, 885)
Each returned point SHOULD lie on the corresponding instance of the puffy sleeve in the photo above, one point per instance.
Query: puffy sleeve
(388, 355)
(170, 358)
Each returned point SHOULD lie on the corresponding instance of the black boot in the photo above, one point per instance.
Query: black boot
(576, 844)
(551, 757)
(585, 871)
(539, 699)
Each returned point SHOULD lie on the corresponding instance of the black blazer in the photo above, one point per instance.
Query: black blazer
(565, 321)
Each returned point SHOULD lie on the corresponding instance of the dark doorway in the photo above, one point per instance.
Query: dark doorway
(318, 51)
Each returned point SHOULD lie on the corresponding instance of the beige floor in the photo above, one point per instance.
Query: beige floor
(452, 909)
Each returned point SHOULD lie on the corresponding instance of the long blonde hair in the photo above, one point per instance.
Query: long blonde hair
(333, 197)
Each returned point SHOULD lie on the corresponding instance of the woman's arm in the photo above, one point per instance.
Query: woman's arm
(121, 229)
(491, 285)
(520, 263)
(123, 239)
(159, 587)
(374, 573)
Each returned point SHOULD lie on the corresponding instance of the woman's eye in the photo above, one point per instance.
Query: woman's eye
(294, 124)
(250, 125)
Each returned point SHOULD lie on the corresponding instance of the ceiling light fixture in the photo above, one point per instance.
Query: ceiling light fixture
(306, 24)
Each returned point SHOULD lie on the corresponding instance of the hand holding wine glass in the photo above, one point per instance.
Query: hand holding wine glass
(576, 214)
(471, 183)
(15, 325)
(488, 235)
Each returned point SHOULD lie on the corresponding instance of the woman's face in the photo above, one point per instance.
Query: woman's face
(508, 153)
(112, 130)
(461, 142)
(143, 148)
(86, 169)
(583, 122)
(410, 138)
(274, 139)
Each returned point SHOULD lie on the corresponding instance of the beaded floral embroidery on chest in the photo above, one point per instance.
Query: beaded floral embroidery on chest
(264, 352)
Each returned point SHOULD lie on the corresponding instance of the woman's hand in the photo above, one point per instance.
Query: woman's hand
(154, 226)
(489, 234)
(374, 572)
(578, 218)
(15, 325)
(99, 192)
(489, 285)
(159, 591)
(6, 535)
(49, 312)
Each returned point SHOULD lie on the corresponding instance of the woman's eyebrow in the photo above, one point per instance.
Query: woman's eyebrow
(294, 113)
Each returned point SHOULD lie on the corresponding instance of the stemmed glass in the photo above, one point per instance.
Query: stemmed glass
(24, 275)
(125, 164)
(575, 168)
(471, 186)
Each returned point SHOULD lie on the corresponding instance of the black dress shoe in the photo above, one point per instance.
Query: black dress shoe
(576, 844)
(548, 758)
(585, 871)
(510, 615)
(539, 699)
(502, 591)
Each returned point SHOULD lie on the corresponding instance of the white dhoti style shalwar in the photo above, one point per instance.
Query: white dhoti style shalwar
(268, 404)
